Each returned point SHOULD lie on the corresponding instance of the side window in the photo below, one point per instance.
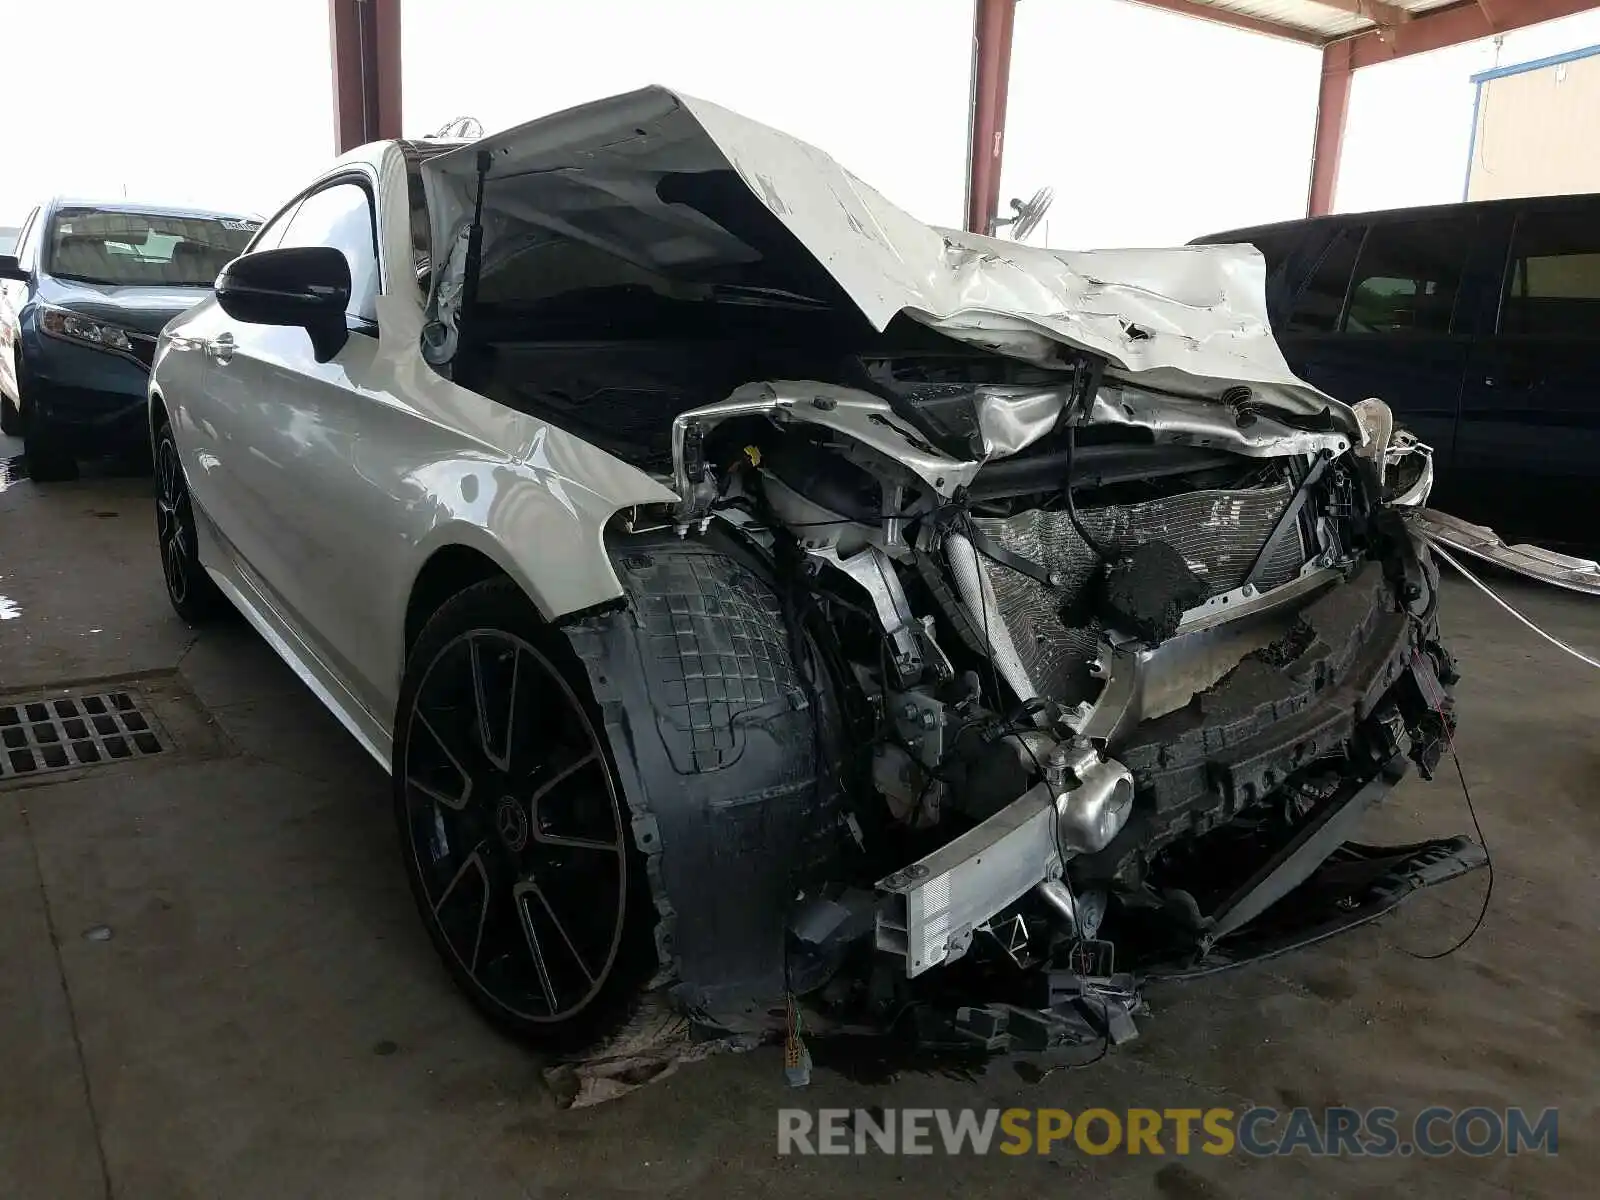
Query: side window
(1321, 299)
(340, 216)
(1553, 286)
(1407, 277)
(271, 235)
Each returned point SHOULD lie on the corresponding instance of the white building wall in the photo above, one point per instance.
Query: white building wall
(1536, 132)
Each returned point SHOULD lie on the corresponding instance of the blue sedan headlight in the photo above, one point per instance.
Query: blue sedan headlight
(74, 327)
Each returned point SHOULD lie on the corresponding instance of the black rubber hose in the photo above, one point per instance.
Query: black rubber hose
(1072, 507)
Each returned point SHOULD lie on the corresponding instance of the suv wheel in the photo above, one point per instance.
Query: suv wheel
(193, 594)
(512, 825)
(49, 459)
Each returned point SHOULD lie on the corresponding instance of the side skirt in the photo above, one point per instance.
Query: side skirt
(237, 586)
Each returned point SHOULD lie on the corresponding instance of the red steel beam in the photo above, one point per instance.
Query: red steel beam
(366, 71)
(1333, 107)
(986, 119)
(1465, 22)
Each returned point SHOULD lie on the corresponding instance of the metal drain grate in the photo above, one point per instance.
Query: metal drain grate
(74, 731)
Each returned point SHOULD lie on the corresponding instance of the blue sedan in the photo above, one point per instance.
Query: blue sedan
(81, 302)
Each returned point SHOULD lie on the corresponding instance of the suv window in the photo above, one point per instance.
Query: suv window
(122, 247)
(1553, 287)
(1321, 299)
(1407, 277)
(340, 216)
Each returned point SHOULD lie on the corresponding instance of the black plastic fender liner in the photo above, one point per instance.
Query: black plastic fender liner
(721, 746)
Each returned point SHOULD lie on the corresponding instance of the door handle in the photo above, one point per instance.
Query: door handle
(220, 348)
(1513, 379)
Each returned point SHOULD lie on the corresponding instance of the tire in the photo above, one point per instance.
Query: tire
(194, 596)
(513, 830)
(49, 459)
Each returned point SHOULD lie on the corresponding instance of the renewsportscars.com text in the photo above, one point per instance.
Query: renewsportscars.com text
(1260, 1132)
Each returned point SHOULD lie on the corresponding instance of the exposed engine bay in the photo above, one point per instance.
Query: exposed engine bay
(987, 698)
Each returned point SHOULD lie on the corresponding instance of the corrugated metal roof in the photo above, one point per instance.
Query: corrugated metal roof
(1313, 20)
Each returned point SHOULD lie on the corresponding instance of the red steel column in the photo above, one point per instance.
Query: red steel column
(1333, 106)
(986, 121)
(366, 71)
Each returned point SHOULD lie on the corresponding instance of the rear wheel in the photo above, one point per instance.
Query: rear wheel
(512, 824)
(191, 591)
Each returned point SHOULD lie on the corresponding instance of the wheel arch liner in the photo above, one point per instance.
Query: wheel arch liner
(715, 738)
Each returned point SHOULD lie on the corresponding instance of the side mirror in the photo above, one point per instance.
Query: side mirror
(304, 286)
(10, 268)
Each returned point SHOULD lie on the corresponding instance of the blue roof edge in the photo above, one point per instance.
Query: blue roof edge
(1537, 64)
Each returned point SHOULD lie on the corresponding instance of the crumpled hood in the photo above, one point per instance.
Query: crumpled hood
(1190, 320)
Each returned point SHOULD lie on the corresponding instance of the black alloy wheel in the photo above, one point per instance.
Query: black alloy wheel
(512, 826)
(193, 594)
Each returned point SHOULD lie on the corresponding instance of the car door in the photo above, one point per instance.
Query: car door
(206, 406)
(1379, 316)
(305, 525)
(1530, 418)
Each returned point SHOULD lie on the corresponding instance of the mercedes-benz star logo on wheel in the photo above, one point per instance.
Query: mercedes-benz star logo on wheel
(511, 822)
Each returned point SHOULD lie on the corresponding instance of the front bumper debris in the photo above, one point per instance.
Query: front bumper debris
(1534, 562)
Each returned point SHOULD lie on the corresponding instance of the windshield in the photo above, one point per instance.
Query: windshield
(149, 249)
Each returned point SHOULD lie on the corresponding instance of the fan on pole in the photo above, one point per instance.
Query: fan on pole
(1024, 218)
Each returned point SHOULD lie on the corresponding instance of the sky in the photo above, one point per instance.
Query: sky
(1152, 128)
(184, 101)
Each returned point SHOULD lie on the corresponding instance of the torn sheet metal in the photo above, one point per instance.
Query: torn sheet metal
(1546, 566)
(1175, 420)
(1191, 320)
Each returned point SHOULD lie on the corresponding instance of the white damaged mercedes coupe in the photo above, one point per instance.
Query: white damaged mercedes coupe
(760, 597)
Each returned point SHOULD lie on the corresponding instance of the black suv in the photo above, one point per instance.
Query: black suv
(1479, 324)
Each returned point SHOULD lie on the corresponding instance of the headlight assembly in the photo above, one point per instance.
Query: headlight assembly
(74, 327)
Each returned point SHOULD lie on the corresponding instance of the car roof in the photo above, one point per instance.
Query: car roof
(1246, 232)
(135, 206)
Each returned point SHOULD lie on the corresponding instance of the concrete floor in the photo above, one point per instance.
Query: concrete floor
(267, 1019)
